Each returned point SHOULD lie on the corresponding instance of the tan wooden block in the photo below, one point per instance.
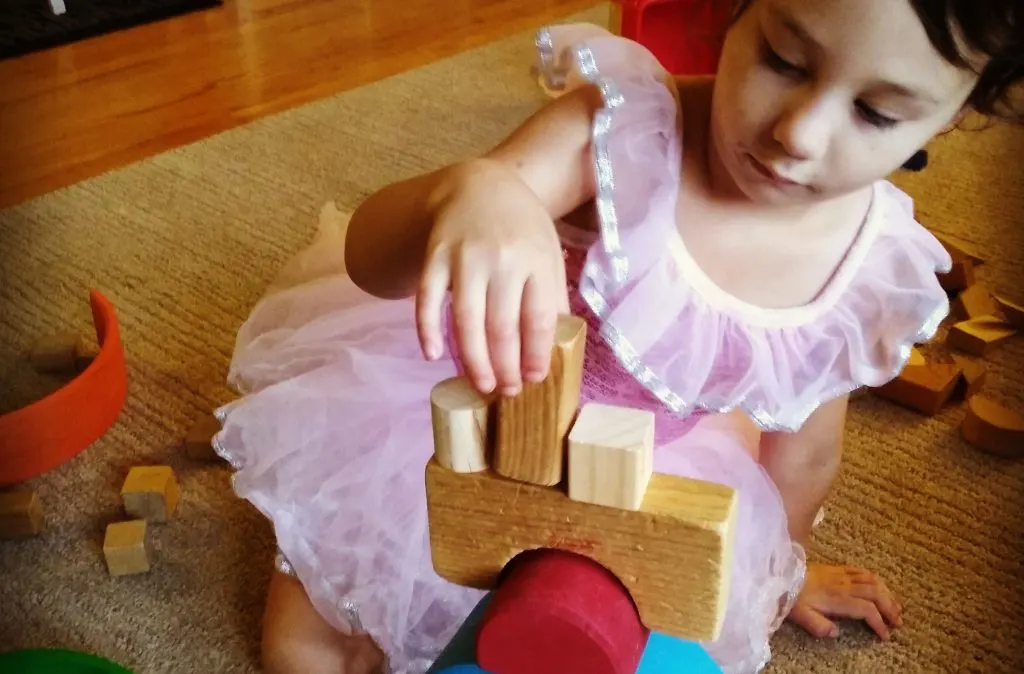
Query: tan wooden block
(21, 514)
(460, 417)
(1014, 312)
(199, 441)
(973, 376)
(975, 302)
(993, 428)
(85, 354)
(57, 353)
(916, 357)
(150, 493)
(960, 277)
(532, 426)
(959, 251)
(611, 456)
(126, 548)
(674, 555)
(979, 336)
(922, 388)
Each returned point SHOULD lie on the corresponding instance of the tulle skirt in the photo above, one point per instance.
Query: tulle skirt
(330, 436)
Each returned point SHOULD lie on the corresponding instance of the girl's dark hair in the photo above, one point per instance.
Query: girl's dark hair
(986, 36)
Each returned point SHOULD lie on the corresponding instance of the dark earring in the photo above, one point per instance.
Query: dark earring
(917, 162)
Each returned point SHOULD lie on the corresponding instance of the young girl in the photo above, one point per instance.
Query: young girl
(747, 268)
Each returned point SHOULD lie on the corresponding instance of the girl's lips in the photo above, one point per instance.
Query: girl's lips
(770, 174)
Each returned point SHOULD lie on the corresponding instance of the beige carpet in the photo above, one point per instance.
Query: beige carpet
(185, 243)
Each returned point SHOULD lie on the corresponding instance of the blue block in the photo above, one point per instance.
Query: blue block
(668, 655)
(461, 650)
(461, 669)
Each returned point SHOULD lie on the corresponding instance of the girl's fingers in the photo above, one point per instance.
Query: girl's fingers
(539, 317)
(469, 308)
(816, 624)
(429, 302)
(504, 304)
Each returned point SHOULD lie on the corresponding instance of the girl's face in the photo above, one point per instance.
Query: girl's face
(817, 98)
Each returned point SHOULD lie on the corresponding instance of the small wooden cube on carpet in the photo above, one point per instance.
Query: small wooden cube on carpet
(21, 514)
(199, 441)
(1014, 312)
(150, 493)
(979, 336)
(57, 353)
(975, 302)
(973, 376)
(960, 277)
(126, 548)
(611, 455)
(923, 388)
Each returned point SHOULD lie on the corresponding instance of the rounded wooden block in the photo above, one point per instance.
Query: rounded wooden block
(460, 418)
(993, 428)
(559, 612)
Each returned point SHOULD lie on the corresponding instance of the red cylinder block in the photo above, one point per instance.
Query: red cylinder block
(560, 613)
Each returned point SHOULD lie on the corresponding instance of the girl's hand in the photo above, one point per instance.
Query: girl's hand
(844, 592)
(495, 246)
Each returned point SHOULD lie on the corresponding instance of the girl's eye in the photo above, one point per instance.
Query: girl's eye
(780, 65)
(875, 118)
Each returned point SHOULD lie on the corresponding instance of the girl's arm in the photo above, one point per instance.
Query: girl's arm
(549, 154)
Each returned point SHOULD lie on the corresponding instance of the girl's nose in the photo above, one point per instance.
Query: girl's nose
(804, 128)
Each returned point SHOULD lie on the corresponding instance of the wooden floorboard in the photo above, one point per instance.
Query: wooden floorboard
(76, 111)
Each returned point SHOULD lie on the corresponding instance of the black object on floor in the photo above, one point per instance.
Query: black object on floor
(30, 25)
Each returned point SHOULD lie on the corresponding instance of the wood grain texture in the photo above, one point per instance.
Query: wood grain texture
(460, 418)
(76, 111)
(611, 456)
(532, 426)
(674, 555)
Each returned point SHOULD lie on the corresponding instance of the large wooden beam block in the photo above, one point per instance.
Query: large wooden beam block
(611, 455)
(532, 426)
(674, 554)
(460, 418)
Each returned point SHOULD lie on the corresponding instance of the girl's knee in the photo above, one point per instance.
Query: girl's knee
(297, 640)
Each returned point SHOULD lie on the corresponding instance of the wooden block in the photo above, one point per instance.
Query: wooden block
(916, 357)
(532, 426)
(959, 251)
(84, 355)
(993, 428)
(150, 493)
(922, 388)
(199, 441)
(460, 418)
(979, 336)
(21, 514)
(972, 377)
(960, 277)
(1014, 312)
(126, 548)
(674, 555)
(611, 456)
(975, 302)
(56, 354)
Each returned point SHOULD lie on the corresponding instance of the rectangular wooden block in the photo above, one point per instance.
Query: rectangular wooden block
(611, 456)
(532, 426)
(979, 336)
(460, 418)
(199, 441)
(960, 277)
(923, 388)
(150, 493)
(972, 377)
(21, 514)
(57, 353)
(674, 554)
(975, 302)
(126, 548)
(1014, 312)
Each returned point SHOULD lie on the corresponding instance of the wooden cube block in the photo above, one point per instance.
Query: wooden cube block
(979, 336)
(923, 388)
(57, 353)
(150, 493)
(84, 355)
(993, 428)
(611, 456)
(126, 548)
(975, 302)
(960, 277)
(21, 514)
(1014, 312)
(532, 426)
(972, 377)
(460, 418)
(199, 441)
(916, 357)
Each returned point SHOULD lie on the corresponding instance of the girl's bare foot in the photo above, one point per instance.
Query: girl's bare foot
(297, 640)
(844, 592)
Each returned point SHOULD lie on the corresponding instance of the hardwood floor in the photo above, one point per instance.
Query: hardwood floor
(76, 111)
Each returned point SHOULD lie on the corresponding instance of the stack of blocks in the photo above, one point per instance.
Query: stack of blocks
(574, 488)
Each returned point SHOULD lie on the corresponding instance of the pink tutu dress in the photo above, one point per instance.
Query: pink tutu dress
(331, 433)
